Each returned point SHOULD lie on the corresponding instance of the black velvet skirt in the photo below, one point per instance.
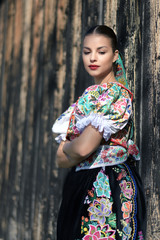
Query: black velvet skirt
(104, 203)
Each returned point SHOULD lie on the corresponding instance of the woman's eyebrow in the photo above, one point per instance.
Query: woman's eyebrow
(87, 48)
(97, 48)
(102, 47)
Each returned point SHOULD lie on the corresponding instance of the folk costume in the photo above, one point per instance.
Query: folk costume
(103, 195)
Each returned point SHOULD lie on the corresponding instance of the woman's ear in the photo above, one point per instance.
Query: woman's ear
(115, 56)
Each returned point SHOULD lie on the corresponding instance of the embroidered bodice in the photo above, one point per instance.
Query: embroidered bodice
(108, 108)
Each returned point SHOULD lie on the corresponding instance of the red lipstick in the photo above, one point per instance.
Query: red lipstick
(93, 67)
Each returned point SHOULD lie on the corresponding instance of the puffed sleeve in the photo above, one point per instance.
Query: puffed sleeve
(107, 107)
(61, 124)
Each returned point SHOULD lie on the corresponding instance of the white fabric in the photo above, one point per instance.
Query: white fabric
(61, 137)
(99, 122)
(61, 125)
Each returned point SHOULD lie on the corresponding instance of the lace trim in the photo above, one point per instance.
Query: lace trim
(99, 122)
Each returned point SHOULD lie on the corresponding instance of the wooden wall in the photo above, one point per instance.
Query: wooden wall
(41, 73)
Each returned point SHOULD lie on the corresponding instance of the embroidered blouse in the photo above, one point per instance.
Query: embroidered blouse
(108, 108)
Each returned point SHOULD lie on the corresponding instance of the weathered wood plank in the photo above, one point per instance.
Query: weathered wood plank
(76, 46)
(23, 117)
(3, 30)
(48, 196)
(4, 16)
(151, 128)
(61, 49)
(90, 17)
(7, 119)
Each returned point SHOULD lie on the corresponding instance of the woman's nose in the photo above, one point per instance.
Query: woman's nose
(93, 57)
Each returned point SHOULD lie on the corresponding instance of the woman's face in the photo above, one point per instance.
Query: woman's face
(98, 56)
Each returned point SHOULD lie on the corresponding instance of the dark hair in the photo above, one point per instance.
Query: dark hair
(106, 31)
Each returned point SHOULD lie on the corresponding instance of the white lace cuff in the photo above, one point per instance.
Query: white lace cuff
(99, 122)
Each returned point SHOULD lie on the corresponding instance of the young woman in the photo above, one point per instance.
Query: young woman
(102, 195)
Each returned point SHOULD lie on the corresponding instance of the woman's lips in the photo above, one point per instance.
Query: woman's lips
(93, 67)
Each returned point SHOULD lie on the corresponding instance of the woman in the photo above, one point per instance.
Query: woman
(102, 195)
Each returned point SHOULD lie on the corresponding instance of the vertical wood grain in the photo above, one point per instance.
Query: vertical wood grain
(150, 144)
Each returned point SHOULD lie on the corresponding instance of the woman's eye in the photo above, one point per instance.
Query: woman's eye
(102, 53)
(86, 53)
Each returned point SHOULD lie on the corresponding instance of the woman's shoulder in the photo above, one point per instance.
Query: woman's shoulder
(102, 85)
(110, 88)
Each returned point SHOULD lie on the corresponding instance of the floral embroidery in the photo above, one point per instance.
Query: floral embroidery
(127, 230)
(126, 209)
(105, 157)
(120, 153)
(127, 192)
(126, 189)
(100, 209)
(69, 110)
(100, 221)
(121, 175)
(132, 149)
(104, 233)
(76, 130)
(102, 185)
(140, 235)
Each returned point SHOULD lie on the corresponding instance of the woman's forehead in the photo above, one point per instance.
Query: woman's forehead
(96, 40)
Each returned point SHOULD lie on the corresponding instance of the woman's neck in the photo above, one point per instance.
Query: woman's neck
(107, 79)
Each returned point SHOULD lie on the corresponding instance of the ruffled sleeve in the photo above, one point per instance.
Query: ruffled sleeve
(107, 107)
(61, 124)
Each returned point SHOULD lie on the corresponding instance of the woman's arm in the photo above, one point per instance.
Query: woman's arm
(61, 158)
(71, 153)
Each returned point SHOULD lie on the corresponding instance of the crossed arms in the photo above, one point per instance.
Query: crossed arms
(70, 153)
